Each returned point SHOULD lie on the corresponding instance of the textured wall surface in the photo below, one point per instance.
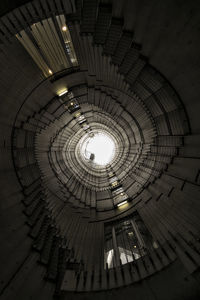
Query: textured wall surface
(167, 36)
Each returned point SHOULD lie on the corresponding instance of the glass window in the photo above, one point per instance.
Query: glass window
(50, 46)
(126, 241)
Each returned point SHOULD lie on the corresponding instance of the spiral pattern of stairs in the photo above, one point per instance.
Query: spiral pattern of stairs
(66, 203)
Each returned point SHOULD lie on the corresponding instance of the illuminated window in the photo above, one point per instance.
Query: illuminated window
(77, 114)
(81, 118)
(126, 241)
(67, 45)
(67, 39)
(73, 106)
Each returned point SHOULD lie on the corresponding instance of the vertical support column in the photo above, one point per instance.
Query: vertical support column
(138, 235)
(116, 250)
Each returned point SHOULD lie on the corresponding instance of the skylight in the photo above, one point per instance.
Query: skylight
(99, 148)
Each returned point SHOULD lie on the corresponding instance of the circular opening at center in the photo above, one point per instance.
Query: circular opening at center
(98, 148)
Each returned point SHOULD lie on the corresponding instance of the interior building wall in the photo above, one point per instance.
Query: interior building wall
(169, 33)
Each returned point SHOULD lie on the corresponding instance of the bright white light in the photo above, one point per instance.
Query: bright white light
(100, 148)
(122, 203)
(109, 260)
(125, 255)
(63, 92)
(73, 60)
(64, 28)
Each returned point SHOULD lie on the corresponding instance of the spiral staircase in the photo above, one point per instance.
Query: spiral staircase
(123, 80)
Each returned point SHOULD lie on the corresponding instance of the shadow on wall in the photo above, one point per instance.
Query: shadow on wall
(173, 283)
